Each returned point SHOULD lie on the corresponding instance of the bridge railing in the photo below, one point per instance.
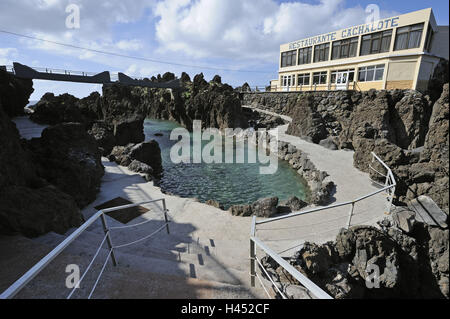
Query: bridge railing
(388, 188)
(65, 72)
(107, 240)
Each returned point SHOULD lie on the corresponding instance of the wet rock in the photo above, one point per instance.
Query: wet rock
(316, 258)
(241, 210)
(140, 167)
(266, 207)
(294, 204)
(104, 137)
(214, 203)
(404, 219)
(147, 153)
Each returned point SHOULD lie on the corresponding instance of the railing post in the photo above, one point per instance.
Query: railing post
(165, 216)
(252, 263)
(351, 215)
(108, 240)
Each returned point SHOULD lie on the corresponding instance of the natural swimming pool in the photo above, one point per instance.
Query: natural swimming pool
(229, 184)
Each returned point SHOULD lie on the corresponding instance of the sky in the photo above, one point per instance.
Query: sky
(237, 39)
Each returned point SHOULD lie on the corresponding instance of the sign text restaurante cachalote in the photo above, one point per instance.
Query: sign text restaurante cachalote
(346, 33)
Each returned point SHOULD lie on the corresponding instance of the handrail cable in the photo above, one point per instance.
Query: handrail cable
(129, 56)
(88, 267)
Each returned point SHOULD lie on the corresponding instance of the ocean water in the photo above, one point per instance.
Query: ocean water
(229, 184)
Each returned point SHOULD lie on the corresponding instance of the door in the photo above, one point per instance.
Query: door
(288, 81)
(342, 80)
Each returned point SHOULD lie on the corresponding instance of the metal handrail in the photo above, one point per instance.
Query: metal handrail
(39, 266)
(311, 286)
(390, 186)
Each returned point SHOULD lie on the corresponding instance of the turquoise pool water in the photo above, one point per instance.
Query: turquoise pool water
(229, 184)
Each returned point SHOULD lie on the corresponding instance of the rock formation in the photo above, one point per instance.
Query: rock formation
(413, 264)
(110, 124)
(66, 108)
(69, 158)
(214, 103)
(14, 93)
(29, 204)
(141, 158)
(266, 207)
(405, 128)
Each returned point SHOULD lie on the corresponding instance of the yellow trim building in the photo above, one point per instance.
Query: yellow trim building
(401, 52)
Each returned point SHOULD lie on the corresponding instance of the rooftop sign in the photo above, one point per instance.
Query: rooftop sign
(346, 33)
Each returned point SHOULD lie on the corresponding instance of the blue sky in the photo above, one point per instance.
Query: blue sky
(234, 34)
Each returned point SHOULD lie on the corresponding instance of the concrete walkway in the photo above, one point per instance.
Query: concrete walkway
(284, 117)
(323, 226)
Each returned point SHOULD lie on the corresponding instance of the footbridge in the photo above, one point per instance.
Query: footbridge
(105, 78)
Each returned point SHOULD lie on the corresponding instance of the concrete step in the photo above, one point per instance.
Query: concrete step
(189, 260)
(134, 277)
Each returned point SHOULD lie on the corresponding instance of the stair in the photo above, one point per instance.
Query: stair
(167, 266)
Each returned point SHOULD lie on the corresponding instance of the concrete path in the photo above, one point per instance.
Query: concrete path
(284, 117)
(324, 226)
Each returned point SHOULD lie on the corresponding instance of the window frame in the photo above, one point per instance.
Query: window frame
(303, 76)
(291, 55)
(377, 36)
(285, 79)
(308, 55)
(320, 75)
(408, 37)
(344, 43)
(319, 49)
(373, 68)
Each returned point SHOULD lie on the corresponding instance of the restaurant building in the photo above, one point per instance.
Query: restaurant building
(401, 52)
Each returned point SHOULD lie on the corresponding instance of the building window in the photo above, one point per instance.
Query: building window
(304, 55)
(321, 52)
(287, 80)
(345, 48)
(288, 58)
(371, 73)
(409, 37)
(376, 42)
(320, 77)
(303, 79)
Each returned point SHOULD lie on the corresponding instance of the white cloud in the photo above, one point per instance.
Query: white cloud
(7, 55)
(49, 16)
(246, 28)
(130, 45)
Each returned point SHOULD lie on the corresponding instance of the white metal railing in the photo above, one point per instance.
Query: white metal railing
(61, 71)
(388, 188)
(44, 262)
